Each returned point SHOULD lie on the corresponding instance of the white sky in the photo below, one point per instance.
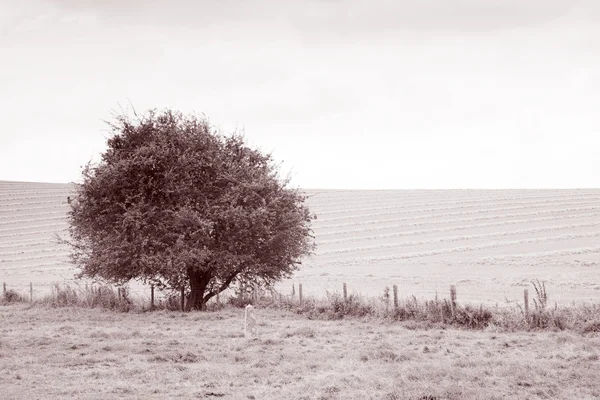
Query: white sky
(347, 93)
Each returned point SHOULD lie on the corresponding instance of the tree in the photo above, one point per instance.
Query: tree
(174, 203)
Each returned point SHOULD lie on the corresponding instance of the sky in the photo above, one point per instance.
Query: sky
(346, 94)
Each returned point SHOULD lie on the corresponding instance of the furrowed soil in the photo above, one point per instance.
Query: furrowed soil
(97, 354)
(489, 243)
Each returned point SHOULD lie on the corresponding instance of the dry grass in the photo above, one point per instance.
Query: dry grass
(424, 314)
(95, 353)
(440, 313)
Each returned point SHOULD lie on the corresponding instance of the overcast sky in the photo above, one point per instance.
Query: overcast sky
(347, 93)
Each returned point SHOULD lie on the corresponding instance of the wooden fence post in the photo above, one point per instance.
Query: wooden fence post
(152, 297)
(395, 287)
(218, 299)
(345, 292)
(4, 288)
(31, 292)
(293, 290)
(182, 298)
(119, 293)
(386, 297)
(526, 301)
(453, 299)
(300, 292)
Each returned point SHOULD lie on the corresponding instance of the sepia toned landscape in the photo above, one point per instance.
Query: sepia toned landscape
(78, 353)
(305, 200)
(489, 243)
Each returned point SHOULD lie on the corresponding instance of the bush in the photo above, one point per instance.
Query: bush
(12, 296)
(472, 317)
(592, 327)
(354, 306)
(101, 296)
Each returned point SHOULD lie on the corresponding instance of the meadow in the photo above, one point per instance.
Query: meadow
(74, 352)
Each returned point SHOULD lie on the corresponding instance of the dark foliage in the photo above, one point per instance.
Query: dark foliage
(178, 205)
(12, 296)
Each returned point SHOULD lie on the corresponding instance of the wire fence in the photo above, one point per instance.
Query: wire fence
(465, 294)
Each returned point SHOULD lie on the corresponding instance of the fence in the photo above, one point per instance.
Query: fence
(256, 293)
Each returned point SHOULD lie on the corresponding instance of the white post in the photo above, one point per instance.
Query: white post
(249, 322)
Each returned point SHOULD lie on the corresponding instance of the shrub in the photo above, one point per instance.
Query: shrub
(473, 317)
(591, 327)
(101, 296)
(12, 296)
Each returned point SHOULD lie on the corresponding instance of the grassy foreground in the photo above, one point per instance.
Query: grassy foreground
(94, 353)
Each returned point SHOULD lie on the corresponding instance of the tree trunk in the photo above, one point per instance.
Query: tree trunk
(224, 285)
(198, 282)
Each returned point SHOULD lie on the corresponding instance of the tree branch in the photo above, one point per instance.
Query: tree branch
(224, 286)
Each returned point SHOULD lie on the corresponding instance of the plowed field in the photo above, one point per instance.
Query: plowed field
(489, 243)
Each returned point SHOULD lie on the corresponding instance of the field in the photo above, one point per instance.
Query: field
(98, 354)
(30, 215)
(489, 243)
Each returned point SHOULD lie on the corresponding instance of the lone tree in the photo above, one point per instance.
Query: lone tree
(176, 204)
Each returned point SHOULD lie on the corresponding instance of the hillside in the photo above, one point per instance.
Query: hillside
(490, 243)
(31, 214)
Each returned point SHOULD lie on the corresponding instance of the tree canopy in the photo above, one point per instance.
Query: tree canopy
(174, 203)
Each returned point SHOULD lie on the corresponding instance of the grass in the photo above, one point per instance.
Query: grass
(419, 313)
(444, 313)
(12, 296)
(95, 353)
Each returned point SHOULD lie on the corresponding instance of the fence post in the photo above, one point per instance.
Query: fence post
(345, 292)
(4, 288)
(293, 290)
(395, 287)
(152, 297)
(255, 293)
(218, 299)
(386, 297)
(119, 293)
(31, 292)
(300, 292)
(453, 299)
(526, 301)
(182, 298)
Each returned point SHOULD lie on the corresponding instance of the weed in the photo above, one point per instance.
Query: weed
(12, 296)
(101, 296)
(542, 295)
(412, 312)
(473, 317)
(591, 327)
